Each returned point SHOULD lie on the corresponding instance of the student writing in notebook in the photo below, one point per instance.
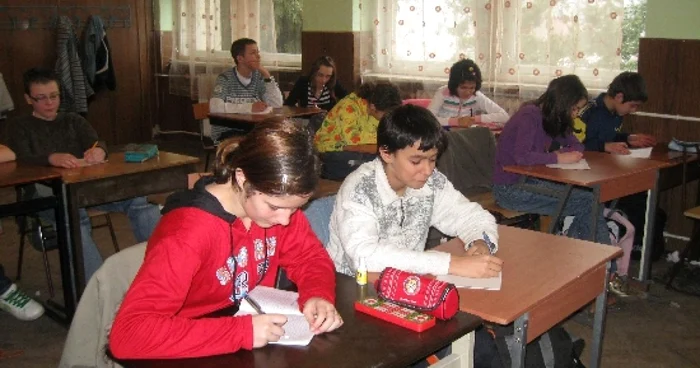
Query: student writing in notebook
(541, 133)
(220, 240)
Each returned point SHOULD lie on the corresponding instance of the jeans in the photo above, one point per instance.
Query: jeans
(516, 198)
(338, 165)
(142, 215)
(5, 282)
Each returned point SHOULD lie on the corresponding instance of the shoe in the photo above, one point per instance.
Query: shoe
(20, 305)
(43, 232)
(619, 285)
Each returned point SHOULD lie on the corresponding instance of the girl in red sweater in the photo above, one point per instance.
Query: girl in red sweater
(221, 239)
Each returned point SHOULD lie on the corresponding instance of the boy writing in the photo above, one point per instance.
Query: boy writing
(247, 88)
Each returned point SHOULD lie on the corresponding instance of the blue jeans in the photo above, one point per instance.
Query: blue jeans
(513, 197)
(142, 215)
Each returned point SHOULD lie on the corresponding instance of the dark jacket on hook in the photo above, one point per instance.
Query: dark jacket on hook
(96, 56)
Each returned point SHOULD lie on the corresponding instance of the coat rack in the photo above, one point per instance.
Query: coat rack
(18, 18)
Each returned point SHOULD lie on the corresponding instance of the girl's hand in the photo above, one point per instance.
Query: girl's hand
(321, 315)
(568, 157)
(267, 328)
(466, 121)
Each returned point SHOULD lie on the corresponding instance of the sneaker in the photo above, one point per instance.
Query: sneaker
(20, 305)
(619, 285)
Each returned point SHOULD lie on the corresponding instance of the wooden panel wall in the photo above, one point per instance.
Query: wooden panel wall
(343, 47)
(120, 116)
(670, 69)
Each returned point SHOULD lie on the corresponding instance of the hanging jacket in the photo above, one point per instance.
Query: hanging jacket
(96, 56)
(74, 88)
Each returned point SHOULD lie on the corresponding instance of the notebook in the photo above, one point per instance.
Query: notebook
(271, 300)
(581, 165)
(641, 152)
(491, 283)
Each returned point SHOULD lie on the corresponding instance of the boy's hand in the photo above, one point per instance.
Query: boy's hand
(266, 328)
(321, 315)
(641, 140)
(619, 148)
(480, 266)
(65, 160)
(479, 247)
(94, 155)
(263, 71)
(259, 106)
(568, 157)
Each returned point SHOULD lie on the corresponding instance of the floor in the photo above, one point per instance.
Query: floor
(660, 330)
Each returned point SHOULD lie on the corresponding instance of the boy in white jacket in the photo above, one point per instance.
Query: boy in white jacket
(384, 208)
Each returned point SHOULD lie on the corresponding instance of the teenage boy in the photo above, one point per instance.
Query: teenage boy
(384, 208)
(603, 116)
(247, 88)
(12, 299)
(47, 137)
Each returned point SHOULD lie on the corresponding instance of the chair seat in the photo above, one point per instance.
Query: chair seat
(158, 199)
(693, 213)
(487, 201)
(95, 213)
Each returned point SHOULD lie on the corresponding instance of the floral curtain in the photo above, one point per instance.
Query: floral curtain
(519, 45)
(202, 35)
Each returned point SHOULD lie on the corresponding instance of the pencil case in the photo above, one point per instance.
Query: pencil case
(396, 314)
(140, 152)
(434, 297)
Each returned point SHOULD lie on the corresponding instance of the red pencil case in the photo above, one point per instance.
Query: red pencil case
(437, 298)
(396, 314)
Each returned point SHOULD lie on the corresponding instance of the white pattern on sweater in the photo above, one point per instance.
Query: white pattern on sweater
(448, 108)
(371, 221)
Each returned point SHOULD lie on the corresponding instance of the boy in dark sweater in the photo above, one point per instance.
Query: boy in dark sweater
(49, 137)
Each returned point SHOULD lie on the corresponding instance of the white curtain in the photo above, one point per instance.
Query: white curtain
(519, 45)
(202, 35)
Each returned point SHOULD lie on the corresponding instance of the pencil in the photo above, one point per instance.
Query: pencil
(94, 145)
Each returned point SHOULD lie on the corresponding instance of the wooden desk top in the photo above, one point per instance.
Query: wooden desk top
(535, 266)
(279, 113)
(326, 188)
(12, 173)
(604, 168)
(363, 341)
(663, 154)
(116, 166)
(361, 148)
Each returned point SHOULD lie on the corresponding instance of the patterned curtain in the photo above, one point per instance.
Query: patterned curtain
(202, 35)
(519, 45)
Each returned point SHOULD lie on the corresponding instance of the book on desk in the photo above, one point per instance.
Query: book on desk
(139, 152)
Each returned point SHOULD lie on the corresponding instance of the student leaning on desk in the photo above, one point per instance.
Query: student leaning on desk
(220, 240)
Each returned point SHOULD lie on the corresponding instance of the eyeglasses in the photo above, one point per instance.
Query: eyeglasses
(44, 98)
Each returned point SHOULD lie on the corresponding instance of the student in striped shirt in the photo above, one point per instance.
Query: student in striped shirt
(461, 103)
(247, 88)
(320, 88)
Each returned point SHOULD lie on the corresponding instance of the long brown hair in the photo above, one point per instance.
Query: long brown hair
(277, 158)
(324, 61)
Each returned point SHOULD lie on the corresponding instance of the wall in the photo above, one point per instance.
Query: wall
(673, 19)
(119, 116)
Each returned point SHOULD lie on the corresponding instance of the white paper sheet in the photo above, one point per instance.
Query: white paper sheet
(491, 283)
(641, 152)
(581, 165)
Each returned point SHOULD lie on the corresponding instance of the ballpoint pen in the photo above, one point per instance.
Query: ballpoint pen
(254, 304)
(94, 145)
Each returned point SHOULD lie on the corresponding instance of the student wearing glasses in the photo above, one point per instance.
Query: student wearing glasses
(62, 139)
(220, 240)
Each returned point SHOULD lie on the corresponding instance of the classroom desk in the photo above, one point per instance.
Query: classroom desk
(13, 174)
(610, 177)
(239, 120)
(361, 148)
(363, 341)
(546, 278)
(113, 181)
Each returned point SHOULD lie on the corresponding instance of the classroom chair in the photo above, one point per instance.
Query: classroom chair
(422, 102)
(89, 331)
(694, 242)
(201, 111)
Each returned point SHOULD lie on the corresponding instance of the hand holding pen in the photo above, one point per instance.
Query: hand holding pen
(266, 327)
(95, 154)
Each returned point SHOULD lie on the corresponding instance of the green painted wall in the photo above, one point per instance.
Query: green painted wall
(165, 9)
(329, 15)
(673, 19)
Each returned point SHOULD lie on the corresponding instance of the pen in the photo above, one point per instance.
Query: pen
(254, 304)
(94, 145)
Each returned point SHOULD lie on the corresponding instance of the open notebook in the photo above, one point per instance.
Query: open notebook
(491, 283)
(271, 300)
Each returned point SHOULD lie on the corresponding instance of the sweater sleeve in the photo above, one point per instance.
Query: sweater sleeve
(218, 104)
(19, 140)
(330, 136)
(454, 214)
(523, 151)
(147, 325)
(272, 96)
(295, 95)
(306, 262)
(493, 112)
(358, 231)
(436, 104)
(86, 134)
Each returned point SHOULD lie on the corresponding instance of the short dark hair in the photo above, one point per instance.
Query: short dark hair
(463, 71)
(238, 47)
(405, 125)
(277, 158)
(557, 101)
(38, 76)
(384, 95)
(631, 85)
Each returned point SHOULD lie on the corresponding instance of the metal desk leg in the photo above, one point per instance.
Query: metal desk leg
(599, 321)
(520, 335)
(594, 207)
(648, 240)
(70, 299)
(563, 197)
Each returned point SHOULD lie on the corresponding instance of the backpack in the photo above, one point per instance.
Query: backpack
(556, 348)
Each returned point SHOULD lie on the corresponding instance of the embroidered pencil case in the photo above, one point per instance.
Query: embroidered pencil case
(434, 297)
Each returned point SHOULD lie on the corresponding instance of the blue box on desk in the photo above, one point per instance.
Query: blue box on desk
(140, 152)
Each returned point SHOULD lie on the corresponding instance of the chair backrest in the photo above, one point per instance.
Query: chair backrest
(200, 110)
(422, 102)
(88, 334)
(469, 159)
(318, 212)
